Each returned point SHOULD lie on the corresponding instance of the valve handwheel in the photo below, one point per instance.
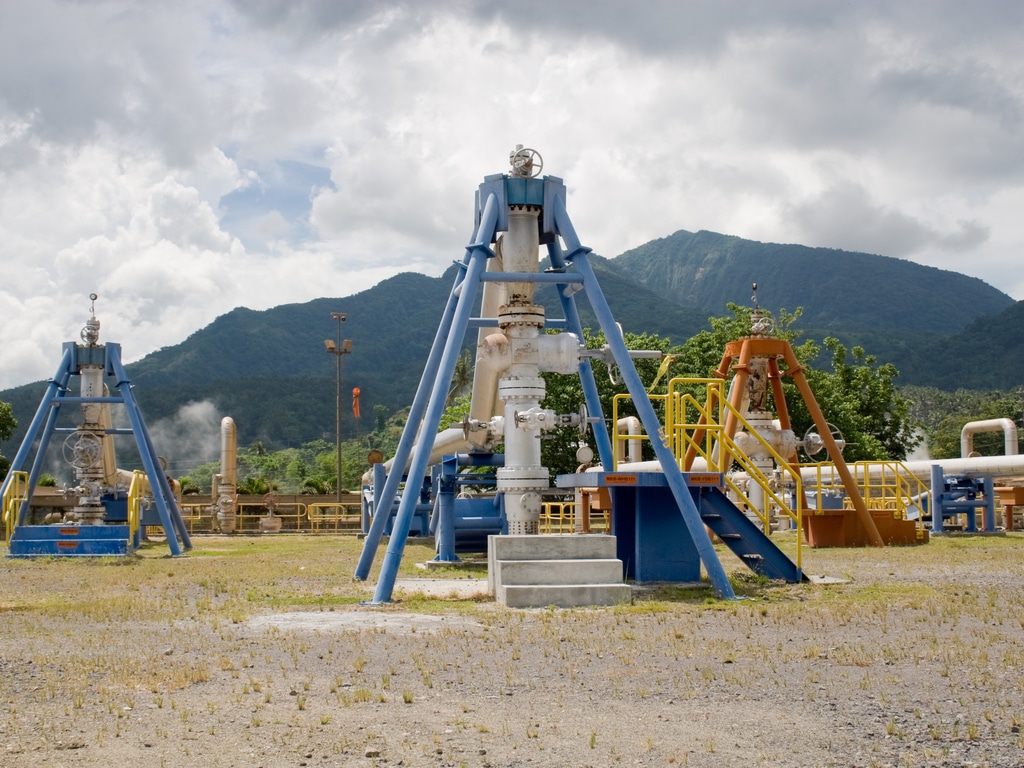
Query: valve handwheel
(526, 162)
(83, 450)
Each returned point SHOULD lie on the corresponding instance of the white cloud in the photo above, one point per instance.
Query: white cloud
(187, 158)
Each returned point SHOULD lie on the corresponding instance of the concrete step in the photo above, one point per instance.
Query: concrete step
(563, 595)
(590, 571)
(553, 547)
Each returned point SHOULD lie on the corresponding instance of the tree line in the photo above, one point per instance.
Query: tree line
(878, 419)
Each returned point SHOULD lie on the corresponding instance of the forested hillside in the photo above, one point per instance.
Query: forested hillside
(269, 369)
(839, 290)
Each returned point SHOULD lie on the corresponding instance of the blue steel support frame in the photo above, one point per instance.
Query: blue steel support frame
(940, 504)
(448, 343)
(44, 426)
(445, 501)
(577, 254)
(586, 370)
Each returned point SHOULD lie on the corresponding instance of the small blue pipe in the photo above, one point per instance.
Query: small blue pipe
(445, 534)
(937, 496)
(990, 504)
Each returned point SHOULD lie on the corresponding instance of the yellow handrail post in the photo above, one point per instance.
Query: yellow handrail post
(15, 496)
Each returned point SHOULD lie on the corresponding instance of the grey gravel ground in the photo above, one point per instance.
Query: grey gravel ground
(915, 658)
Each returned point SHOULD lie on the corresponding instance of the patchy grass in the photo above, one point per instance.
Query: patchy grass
(919, 646)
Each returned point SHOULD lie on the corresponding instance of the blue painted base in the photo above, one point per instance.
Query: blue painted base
(420, 524)
(653, 542)
(70, 541)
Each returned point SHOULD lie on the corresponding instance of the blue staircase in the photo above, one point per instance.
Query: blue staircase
(70, 541)
(746, 540)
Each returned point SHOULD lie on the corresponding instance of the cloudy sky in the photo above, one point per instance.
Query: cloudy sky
(184, 158)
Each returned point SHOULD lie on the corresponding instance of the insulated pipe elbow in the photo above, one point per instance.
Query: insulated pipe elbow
(483, 401)
(492, 357)
(972, 428)
(629, 425)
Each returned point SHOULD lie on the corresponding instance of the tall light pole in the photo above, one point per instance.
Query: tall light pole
(338, 349)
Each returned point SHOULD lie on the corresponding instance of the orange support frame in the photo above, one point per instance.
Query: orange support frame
(750, 347)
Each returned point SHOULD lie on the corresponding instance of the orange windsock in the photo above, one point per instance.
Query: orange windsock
(355, 402)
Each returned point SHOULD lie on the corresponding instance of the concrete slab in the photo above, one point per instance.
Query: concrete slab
(463, 588)
(358, 619)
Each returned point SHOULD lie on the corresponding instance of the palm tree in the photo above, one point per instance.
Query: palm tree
(462, 377)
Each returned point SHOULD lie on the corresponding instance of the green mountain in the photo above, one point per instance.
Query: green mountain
(988, 354)
(269, 369)
(839, 290)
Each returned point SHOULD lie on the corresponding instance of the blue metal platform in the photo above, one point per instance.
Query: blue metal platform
(70, 541)
(654, 543)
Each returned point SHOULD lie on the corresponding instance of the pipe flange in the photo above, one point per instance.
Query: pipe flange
(522, 478)
(521, 387)
(520, 314)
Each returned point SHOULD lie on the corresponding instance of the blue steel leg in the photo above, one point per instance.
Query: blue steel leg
(43, 414)
(479, 253)
(971, 514)
(149, 460)
(648, 417)
(446, 511)
(935, 499)
(168, 494)
(379, 478)
(44, 445)
(586, 371)
(384, 490)
(162, 484)
(989, 523)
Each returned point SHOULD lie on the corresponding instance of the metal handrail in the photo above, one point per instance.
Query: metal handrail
(884, 485)
(15, 495)
(707, 438)
(298, 515)
(560, 517)
(137, 491)
(342, 516)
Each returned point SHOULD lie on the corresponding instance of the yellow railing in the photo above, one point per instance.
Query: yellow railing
(699, 428)
(317, 517)
(884, 485)
(560, 517)
(696, 428)
(15, 495)
(192, 514)
(335, 517)
(137, 493)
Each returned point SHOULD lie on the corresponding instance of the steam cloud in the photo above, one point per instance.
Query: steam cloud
(190, 438)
